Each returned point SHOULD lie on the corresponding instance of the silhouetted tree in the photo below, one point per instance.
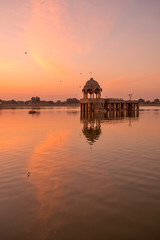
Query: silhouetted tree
(20, 102)
(156, 100)
(50, 102)
(141, 100)
(58, 102)
(35, 99)
(13, 101)
(72, 100)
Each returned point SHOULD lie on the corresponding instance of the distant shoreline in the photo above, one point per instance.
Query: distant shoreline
(36, 106)
(42, 105)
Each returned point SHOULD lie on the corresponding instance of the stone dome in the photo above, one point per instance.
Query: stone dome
(92, 85)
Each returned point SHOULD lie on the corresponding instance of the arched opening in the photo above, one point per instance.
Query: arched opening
(90, 92)
(97, 92)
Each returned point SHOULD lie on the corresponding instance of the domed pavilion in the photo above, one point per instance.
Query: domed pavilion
(92, 101)
(92, 89)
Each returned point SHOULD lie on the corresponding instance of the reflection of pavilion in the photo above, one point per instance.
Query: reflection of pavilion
(92, 122)
(91, 128)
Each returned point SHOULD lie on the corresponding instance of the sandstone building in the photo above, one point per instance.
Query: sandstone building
(92, 101)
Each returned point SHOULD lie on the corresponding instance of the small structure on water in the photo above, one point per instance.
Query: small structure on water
(92, 101)
(33, 112)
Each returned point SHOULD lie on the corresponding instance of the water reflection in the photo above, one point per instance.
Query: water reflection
(111, 192)
(72, 112)
(91, 128)
(92, 122)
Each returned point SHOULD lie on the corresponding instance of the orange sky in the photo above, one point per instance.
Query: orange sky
(118, 41)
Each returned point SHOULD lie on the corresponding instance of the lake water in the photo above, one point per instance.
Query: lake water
(72, 177)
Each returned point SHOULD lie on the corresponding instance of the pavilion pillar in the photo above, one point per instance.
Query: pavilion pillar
(120, 105)
(82, 107)
(107, 114)
(86, 107)
(92, 107)
(117, 114)
(89, 107)
(107, 106)
(126, 106)
(137, 106)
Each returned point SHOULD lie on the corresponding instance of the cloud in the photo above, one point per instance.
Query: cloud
(60, 30)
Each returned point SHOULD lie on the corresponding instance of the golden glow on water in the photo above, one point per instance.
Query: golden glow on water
(93, 177)
(39, 163)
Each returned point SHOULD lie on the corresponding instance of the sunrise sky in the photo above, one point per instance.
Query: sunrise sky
(117, 40)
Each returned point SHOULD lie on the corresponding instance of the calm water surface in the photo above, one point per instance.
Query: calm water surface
(90, 178)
